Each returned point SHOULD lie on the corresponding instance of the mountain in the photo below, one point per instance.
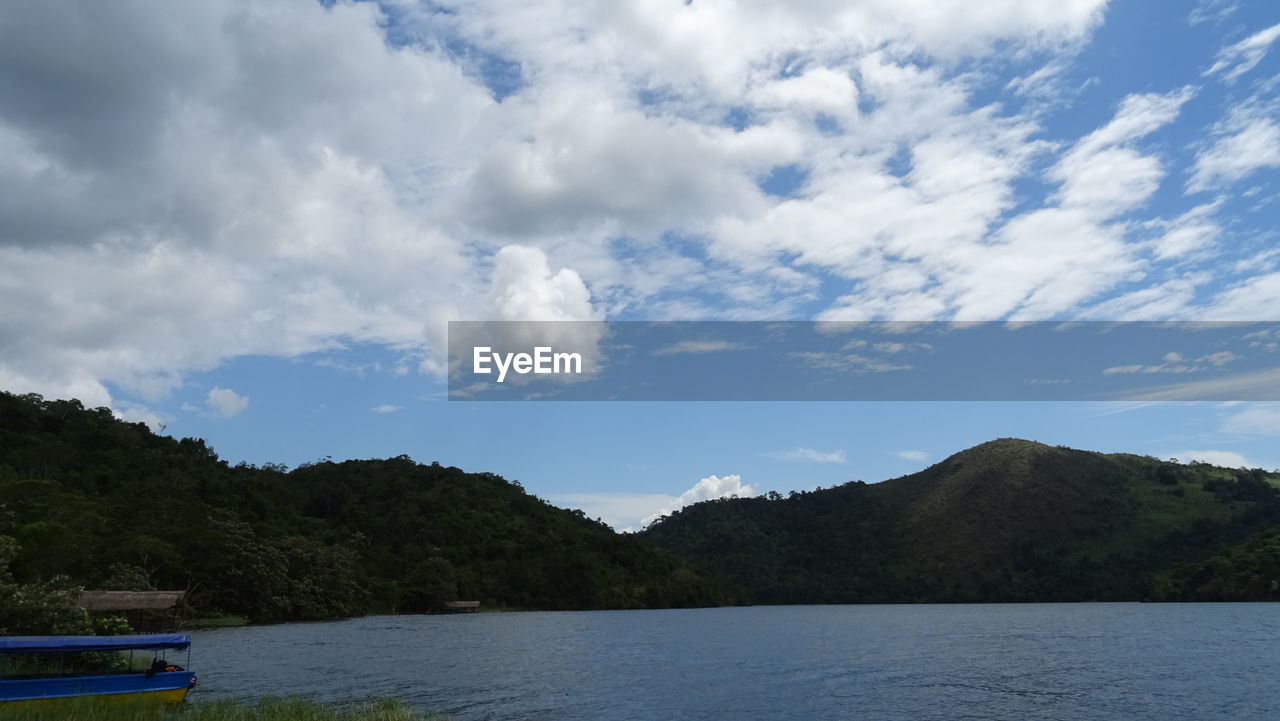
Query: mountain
(89, 500)
(1008, 520)
(111, 505)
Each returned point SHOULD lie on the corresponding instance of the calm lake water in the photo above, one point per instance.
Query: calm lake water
(1016, 662)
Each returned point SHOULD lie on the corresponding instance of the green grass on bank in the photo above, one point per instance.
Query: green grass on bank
(267, 709)
(226, 621)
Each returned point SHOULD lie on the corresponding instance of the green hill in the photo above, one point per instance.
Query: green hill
(1008, 520)
(111, 505)
(89, 500)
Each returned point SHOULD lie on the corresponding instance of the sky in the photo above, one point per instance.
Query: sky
(252, 221)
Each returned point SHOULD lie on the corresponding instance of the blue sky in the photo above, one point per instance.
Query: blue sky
(252, 222)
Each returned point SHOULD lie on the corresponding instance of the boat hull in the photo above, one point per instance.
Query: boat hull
(165, 688)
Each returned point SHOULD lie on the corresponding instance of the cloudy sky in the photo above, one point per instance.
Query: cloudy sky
(251, 221)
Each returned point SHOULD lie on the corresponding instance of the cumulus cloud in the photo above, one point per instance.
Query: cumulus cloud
(917, 456)
(968, 263)
(524, 288)
(226, 402)
(205, 181)
(624, 512)
(386, 408)
(709, 488)
(631, 512)
(216, 195)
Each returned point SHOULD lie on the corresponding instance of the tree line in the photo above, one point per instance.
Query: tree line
(88, 500)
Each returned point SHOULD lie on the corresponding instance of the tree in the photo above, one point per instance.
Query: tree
(430, 586)
(50, 607)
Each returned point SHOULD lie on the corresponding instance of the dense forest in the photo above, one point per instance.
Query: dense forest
(90, 501)
(87, 500)
(1008, 520)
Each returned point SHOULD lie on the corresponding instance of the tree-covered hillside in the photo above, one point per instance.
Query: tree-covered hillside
(109, 504)
(89, 500)
(1008, 520)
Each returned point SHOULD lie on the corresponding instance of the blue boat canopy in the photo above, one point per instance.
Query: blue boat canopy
(76, 644)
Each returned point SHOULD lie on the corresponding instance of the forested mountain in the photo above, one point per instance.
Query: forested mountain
(89, 500)
(111, 505)
(1008, 520)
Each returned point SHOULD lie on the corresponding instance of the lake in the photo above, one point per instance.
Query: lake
(1017, 662)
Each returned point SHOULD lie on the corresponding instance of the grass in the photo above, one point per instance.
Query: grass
(290, 708)
(227, 621)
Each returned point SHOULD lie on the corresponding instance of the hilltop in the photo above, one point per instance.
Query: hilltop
(1007, 520)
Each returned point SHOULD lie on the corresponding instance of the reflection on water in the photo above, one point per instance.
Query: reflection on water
(1032, 661)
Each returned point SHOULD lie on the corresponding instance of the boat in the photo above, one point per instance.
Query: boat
(44, 669)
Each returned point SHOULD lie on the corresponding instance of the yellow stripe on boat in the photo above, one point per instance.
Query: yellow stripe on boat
(162, 696)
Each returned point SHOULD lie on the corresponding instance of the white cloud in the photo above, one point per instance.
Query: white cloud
(1212, 11)
(223, 198)
(1189, 233)
(386, 408)
(1246, 141)
(226, 402)
(964, 261)
(893, 347)
(809, 454)
(1100, 175)
(1162, 301)
(699, 346)
(916, 456)
(1229, 459)
(707, 489)
(633, 511)
(622, 511)
(1242, 300)
(1174, 362)
(134, 413)
(1238, 59)
(217, 196)
(524, 288)
(1263, 385)
(817, 90)
(846, 362)
(1258, 419)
